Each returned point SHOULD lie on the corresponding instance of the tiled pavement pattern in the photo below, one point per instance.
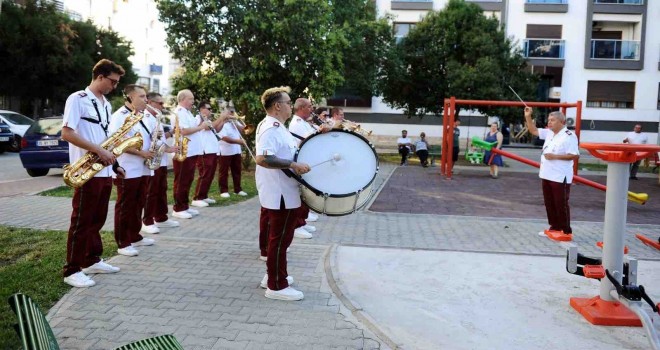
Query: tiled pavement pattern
(200, 281)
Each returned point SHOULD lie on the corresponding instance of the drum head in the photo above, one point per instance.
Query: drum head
(342, 162)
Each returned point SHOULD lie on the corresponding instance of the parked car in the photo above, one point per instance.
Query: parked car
(42, 147)
(18, 124)
(5, 137)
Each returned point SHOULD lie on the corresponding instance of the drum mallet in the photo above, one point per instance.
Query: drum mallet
(336, 157)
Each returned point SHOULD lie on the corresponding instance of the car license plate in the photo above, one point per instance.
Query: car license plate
(44, 143)
(4, 138)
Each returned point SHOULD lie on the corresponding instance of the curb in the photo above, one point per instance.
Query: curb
(329, 265)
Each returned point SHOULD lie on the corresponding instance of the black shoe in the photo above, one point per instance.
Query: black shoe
(634, 178)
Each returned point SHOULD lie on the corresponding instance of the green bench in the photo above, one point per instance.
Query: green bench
(435, 152)
(36, 334)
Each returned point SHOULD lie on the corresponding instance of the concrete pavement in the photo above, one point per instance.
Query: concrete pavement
(200, 281)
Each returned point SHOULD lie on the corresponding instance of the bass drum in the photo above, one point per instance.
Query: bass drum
(343, 168)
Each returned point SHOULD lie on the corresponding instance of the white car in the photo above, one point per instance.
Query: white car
(18, 124)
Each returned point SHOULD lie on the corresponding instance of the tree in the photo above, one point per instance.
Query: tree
(236, 49)
(454, 52)
(45, 56)
(368, 39)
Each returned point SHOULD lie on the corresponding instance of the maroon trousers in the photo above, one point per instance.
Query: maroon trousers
(555, 196)
(184, 174)
(263, 231)
(232, 163)
(90, 209)
(155, 207)
(206, 164)
(131, 195)
(281, 224)
(302, 214)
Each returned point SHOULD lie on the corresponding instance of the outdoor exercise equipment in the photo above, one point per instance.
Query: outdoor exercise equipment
(640, 198)
(619, 302)
(649, 242)
(449, 113)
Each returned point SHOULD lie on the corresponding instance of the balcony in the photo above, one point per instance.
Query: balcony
(544, 52)
(615, 49)
(412, 5)
(620, 2)
(557, 6)
(488, 5)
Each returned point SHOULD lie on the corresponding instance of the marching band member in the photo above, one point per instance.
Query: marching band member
(230, 158)
(132, 188)
(279, 194)
(184, 172)
(302, 127)
(207, 160)
(85, 126)
(155, 208)
(336, 116)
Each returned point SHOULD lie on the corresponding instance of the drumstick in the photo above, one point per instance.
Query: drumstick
(521, 100)
(335, 157)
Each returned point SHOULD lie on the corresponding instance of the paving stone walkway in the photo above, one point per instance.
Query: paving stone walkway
(200, 281)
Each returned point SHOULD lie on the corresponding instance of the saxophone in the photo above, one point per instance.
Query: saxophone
(85, 168)
(157, 147)
(180, 141)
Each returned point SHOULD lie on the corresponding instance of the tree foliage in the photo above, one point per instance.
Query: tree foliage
(454, 52)
(368, 39)
(45, 56)
(236, 49)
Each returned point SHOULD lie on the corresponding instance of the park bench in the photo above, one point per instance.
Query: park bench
(435, 151)
(35, 332)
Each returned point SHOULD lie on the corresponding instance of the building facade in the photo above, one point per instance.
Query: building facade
(137, 21)
(605, 53)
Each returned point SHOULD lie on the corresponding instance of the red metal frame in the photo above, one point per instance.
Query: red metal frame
(449, 113)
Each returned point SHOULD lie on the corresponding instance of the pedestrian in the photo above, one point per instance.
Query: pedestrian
(85, 126)
(279, 194)
(560, 150)
(636, 137)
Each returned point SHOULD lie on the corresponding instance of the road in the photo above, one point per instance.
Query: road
(14, 180)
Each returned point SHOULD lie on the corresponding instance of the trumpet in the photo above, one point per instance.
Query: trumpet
(239, 123)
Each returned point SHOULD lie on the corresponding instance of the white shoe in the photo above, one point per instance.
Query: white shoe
(182, 214)
(287, 293)
(301, 233)
(309, 228)
(263, 258)
(168, 223)
(100, 267)
(128, 251)
(199, 203)
(209, 200)
(153, 229)
(79, 280)
(311, 217)
(144, 242)
(287, 250)
(242, 193)
(193, 212)
(224, 195)
(264, 281)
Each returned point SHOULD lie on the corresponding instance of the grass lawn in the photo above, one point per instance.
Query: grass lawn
(247, 183)
(31, 262)
(603, 167)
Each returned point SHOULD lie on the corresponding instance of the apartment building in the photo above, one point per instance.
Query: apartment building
(137, 21)
(605, 53)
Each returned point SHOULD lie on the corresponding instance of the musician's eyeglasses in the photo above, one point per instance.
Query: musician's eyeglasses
(158, 103)
(114, 81)
(287, 102)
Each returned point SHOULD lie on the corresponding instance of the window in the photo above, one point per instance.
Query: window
(611, 94)
(543, 31)
(144, 82)
(401, 30)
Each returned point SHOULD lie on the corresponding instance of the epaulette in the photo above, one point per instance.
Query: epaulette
(82, 94)
(125, 110)
(569, 132)
(277, 124)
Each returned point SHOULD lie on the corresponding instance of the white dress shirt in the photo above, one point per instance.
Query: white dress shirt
(272, 184)
(187, 120)
(562, 143)
(87, 121)
(132, 164)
